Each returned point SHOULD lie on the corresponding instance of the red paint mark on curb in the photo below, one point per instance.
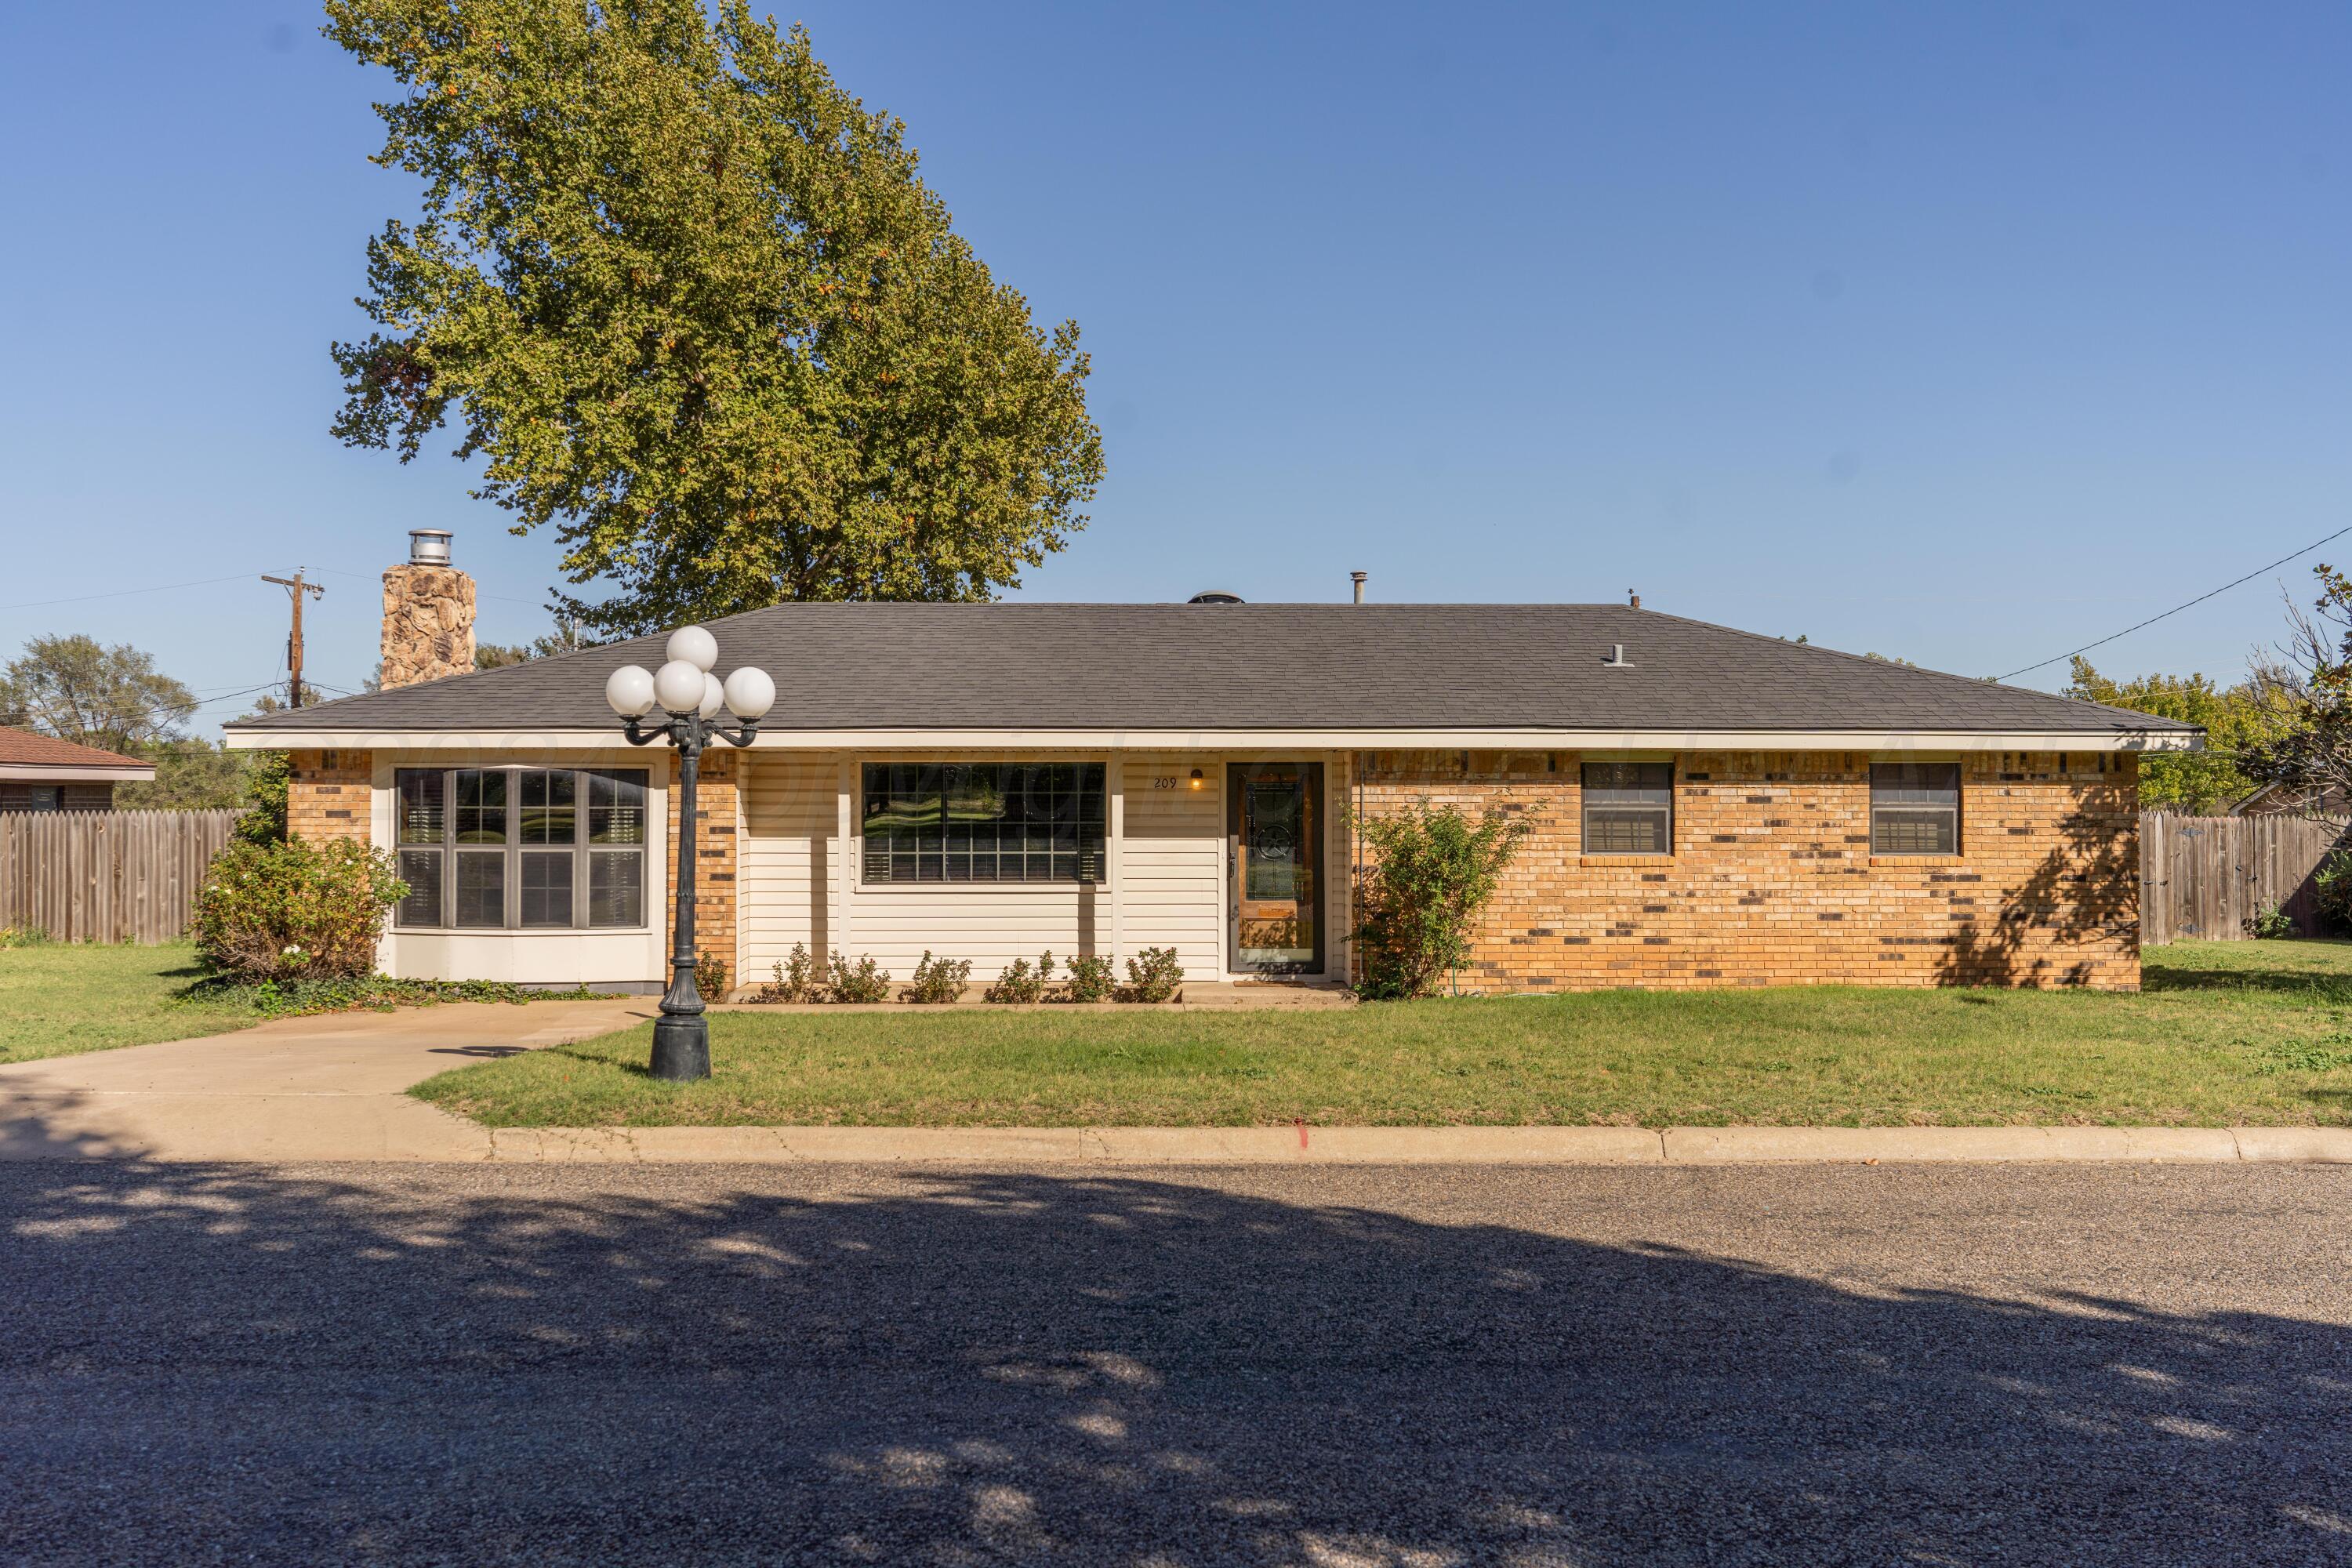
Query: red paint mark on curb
(1301, 1122)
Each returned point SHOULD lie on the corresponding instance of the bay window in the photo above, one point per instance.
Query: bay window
(513, 848)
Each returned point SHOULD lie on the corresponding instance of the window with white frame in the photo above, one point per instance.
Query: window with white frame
(520, 848)
(1915, 808)
(1629, 808)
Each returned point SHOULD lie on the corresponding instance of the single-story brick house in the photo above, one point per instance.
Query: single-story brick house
(41, 772)
(1710, 807)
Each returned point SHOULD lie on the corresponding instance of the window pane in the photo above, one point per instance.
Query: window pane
(421, 869)
(1915, 808)
(481, 806)
(616, 888)
(1629, 808)
(547, 806)
(481, 888)
(982, 822)
(616, 808)
(547, 887)
(422, 817)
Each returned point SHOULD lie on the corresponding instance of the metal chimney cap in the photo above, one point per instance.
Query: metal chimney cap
(428, 547)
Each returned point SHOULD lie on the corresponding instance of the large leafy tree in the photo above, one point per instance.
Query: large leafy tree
(692, 306)
(79, 690)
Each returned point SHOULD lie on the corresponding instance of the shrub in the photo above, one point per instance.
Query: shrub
(864, 981)
(2271, 923)
(295, 912)
(266, 780)
(711, 976)
(24, 936)
(938, 980)
(1017, 983)
(796, 978)
(1434, 872)
(1091, 979)
(1152, 975)
(2333, 885)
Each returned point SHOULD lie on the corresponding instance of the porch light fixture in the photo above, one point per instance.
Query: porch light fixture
(1196, 778)
(685, 689)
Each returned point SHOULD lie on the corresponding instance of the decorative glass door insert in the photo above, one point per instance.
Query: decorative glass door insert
(1276, 866)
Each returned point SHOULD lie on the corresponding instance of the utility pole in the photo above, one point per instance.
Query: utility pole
(295, 588)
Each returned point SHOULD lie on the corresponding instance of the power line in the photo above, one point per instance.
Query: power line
(2177, 608)
(121, 593)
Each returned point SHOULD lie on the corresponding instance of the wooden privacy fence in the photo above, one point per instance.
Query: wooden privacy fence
(106, 875)
(2206, 877)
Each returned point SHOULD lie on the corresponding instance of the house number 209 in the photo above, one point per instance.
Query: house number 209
(1169, 782)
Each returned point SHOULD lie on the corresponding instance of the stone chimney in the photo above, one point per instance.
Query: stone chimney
(428, 614)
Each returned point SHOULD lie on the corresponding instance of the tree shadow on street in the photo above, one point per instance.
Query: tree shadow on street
(493, 1365)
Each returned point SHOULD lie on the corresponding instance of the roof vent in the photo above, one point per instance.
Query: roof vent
(1214, 596)
(428, 547)
(1617, 659)
(1358, 579)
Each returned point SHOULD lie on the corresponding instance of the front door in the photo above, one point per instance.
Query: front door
(1274, 867)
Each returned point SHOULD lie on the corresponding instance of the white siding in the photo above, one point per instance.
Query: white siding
(1173, 870)
(787, 859)
(1170, 867)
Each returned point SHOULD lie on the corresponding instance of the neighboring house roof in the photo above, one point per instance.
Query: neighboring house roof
(1223, 667)
(27, 754)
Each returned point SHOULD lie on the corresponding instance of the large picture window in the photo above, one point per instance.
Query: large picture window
(984, 822)
(1629, 808)
(1915, 808)
(520, 848)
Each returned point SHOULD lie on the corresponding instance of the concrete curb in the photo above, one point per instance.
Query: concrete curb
(1421, 1145)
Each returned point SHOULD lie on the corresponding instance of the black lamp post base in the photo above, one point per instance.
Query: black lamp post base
(681, 1048)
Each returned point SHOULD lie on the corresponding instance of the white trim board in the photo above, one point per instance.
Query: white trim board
(1100, 740)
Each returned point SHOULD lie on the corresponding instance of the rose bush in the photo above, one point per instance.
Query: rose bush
(295, 912)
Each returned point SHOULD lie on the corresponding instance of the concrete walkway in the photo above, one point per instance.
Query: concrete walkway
(334, 1089)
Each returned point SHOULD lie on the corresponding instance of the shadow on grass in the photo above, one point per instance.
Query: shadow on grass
(958, 1368)
(2326, 989)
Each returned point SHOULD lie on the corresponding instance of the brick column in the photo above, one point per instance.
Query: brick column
(327, 795)
(718, 832)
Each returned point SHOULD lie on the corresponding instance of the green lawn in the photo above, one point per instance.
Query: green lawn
(2224, 1033)
(61, 999)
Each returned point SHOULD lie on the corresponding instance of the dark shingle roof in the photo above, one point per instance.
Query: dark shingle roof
(1238, 666)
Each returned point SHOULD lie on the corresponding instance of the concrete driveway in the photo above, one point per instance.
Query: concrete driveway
(328, 1087)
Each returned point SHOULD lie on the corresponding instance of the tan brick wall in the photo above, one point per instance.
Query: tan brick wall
(327, 795)
(718, 833)
(1772, 881)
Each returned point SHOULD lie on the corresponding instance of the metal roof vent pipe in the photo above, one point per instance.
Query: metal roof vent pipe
(1617, 659)
(1358, 578)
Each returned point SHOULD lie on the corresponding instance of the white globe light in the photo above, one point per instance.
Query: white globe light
(695, 645)
(749, 693)
(630, 691)
(679, 687)
(714, 696)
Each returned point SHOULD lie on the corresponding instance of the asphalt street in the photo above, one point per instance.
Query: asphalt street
(1374, 1365)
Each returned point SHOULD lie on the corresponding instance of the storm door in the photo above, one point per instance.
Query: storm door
(1274, 867)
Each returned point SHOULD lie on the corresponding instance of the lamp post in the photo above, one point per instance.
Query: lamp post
(692, 697)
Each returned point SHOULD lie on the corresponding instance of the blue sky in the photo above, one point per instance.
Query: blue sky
(1963, 332)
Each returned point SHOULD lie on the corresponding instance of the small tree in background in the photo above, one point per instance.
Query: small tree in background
(2255, 712)
(1435, 870)
(2311, 757)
